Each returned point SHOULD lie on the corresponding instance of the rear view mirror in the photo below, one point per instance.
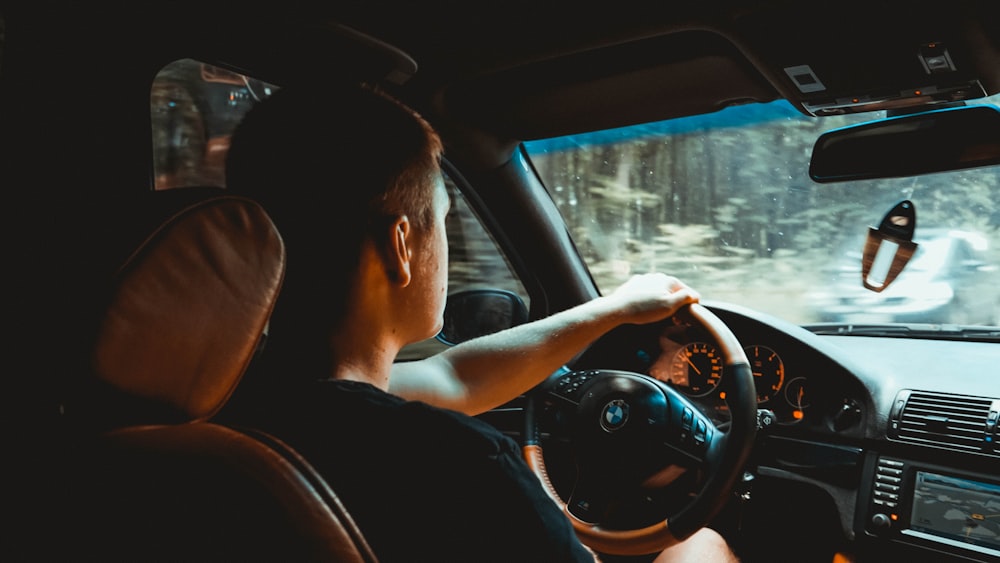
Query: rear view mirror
(935, 141)
(474, 313)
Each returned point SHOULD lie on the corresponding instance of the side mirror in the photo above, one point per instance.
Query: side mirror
(922, 143)
(474, 313)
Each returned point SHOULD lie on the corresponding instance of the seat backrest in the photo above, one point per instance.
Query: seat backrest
(156, 479)
(186, 311)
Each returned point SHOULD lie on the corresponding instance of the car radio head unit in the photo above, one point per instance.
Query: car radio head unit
(925, 505)
(956, 509)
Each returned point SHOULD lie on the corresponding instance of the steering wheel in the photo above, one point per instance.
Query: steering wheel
(624, 428)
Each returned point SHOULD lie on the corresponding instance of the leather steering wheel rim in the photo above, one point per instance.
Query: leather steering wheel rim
(728, 456)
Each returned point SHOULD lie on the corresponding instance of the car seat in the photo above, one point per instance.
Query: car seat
(149, 475)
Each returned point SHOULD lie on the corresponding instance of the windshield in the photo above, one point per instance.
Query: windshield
(724, 202)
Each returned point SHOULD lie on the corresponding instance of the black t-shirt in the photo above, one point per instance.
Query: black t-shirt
(423, 483)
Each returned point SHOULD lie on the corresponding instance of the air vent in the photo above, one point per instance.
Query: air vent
(957, 422)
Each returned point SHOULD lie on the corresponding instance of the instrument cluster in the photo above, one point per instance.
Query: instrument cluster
(695, 366)
(806, 390)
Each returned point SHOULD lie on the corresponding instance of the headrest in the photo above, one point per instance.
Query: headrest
(189, 307)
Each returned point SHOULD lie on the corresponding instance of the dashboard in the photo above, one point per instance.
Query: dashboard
(897, 436)
(806, 390)
(786, 380)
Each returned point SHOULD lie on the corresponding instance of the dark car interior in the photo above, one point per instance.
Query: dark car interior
(119, 371)
(153, 461)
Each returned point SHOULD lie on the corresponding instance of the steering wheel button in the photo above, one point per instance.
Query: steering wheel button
(699, 432)
(686, 418)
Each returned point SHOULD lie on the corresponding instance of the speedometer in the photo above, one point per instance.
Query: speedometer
(697, 368)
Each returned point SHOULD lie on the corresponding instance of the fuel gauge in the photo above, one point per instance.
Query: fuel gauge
(797, 395)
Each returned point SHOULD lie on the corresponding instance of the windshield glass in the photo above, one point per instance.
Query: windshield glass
(724, 202)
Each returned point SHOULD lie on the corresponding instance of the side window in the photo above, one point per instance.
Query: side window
(474, 259)
(474, 262)
(194, 108)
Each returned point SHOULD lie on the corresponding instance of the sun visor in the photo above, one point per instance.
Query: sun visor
(830, 62)
(656, 78)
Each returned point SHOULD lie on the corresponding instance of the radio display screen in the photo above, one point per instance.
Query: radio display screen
(957, 511)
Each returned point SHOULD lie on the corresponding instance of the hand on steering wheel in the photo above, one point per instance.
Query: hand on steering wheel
(626, 427)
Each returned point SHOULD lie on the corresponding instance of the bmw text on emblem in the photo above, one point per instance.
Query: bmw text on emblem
(615, 415)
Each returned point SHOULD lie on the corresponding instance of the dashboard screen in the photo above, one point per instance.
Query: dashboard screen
(957, 511)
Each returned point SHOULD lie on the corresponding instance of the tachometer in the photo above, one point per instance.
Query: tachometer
(697, 368)
(768, 371)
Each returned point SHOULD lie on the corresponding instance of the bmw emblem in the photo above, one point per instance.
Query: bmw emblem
(615, 415)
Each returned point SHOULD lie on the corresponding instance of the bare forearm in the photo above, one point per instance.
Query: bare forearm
(487, 372)
(497, 368)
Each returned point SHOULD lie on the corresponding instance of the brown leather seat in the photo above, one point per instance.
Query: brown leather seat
(155, 478)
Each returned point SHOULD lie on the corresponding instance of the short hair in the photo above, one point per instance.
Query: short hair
(356, 148)
(331, 165)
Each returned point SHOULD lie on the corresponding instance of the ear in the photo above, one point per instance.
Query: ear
(399, 251)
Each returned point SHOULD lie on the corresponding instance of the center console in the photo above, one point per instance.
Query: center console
(930, 508)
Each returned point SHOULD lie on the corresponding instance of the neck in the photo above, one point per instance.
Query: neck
(366, 342)
(359, 355)
(372, 331)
